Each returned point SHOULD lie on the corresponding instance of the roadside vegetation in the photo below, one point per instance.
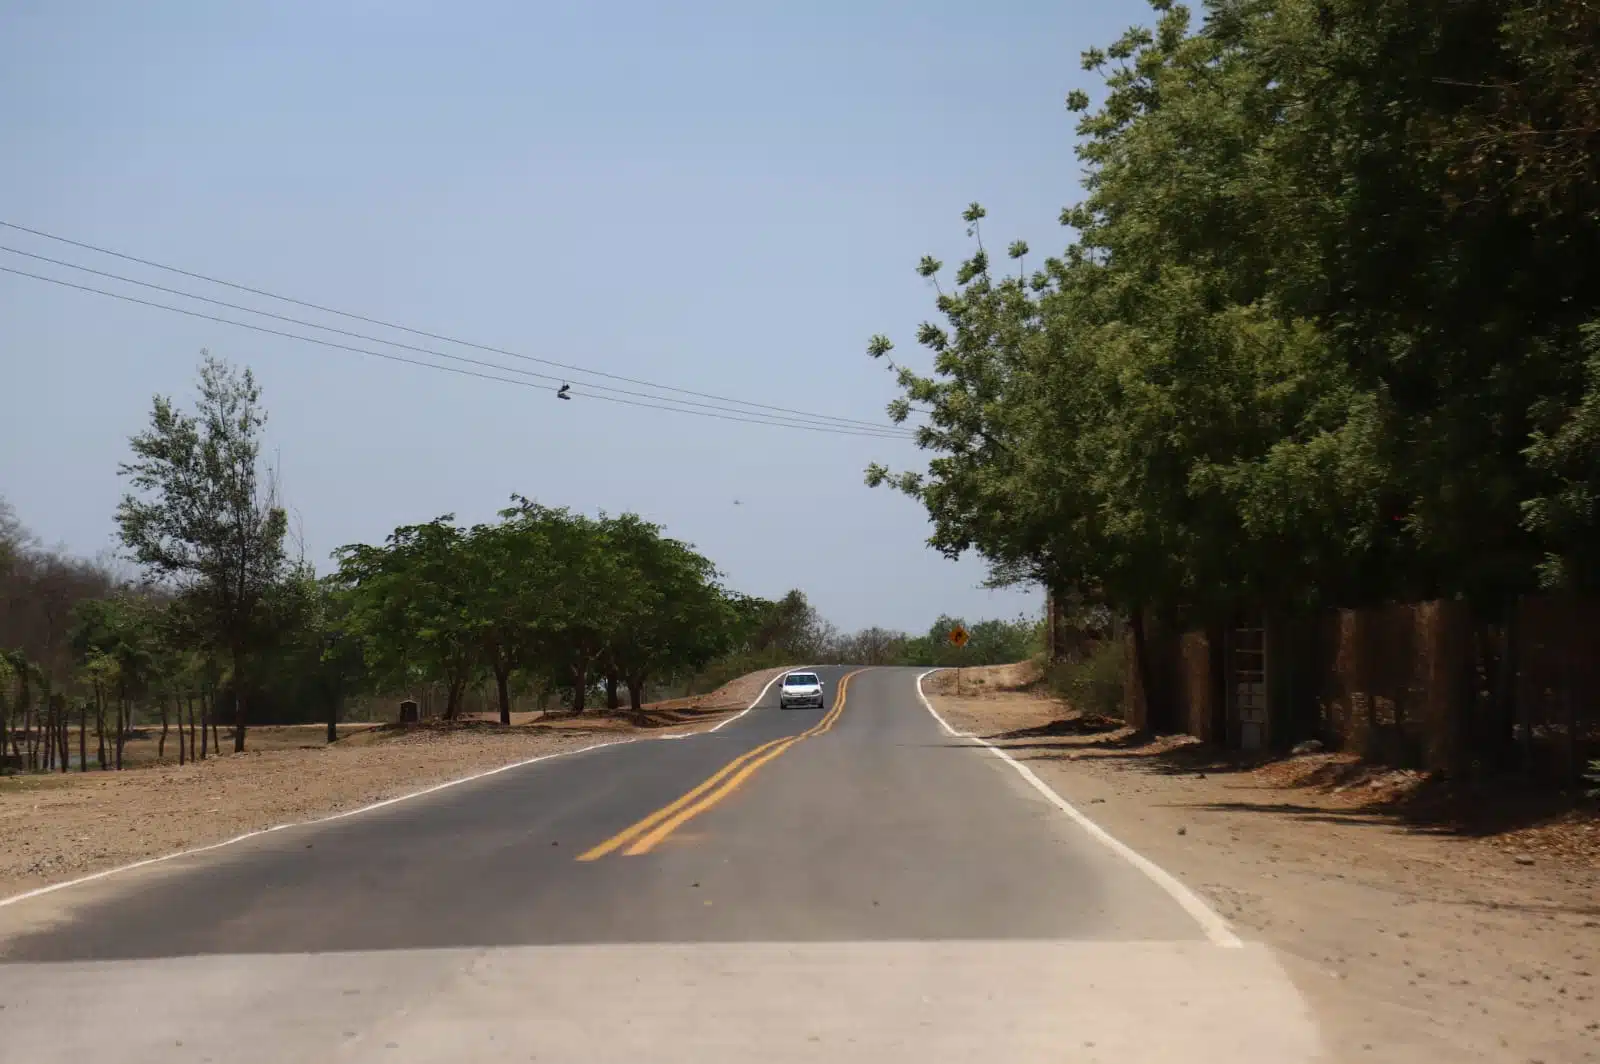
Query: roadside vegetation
(1322, 333)
(220, 626)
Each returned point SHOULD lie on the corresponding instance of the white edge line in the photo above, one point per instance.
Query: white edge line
(1215, 927)
(51, 888)
(724, 723)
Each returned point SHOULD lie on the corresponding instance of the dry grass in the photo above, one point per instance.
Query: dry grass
(1023, 676)
(144, 742)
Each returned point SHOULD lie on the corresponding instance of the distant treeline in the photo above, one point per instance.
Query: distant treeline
(218, 626)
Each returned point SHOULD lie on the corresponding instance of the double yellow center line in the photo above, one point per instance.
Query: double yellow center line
(643, 836)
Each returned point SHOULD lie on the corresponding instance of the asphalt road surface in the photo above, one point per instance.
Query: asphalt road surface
(845, 884)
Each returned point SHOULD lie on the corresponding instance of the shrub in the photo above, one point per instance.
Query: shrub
(1093, 684)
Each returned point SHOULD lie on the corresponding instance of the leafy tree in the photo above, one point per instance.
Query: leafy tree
(202, 515)
(413, 610)
(16, 691)
(595, 597)
(341, 668)
(118, 640)
(1238, 383)
(989, 642)
(310, 657)
(679, 618)
(510, 571)
(872, 646)
(790, 625)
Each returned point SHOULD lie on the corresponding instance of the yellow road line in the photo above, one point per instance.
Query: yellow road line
(628, 834)
(664, 829)
(664, 821)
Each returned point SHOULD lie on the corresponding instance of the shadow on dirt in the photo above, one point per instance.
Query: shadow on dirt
(1354, 791)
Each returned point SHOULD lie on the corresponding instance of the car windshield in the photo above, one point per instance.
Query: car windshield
(800, 679)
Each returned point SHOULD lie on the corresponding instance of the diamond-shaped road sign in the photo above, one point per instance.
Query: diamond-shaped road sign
(958, 636)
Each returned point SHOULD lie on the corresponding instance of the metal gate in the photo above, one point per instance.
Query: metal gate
(1250, 686)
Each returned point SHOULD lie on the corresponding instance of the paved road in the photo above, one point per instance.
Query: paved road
(840, 884)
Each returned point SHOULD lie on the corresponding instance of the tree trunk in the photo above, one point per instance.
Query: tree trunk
(1217, 674)
(100, 727)
(240, 706)
(47, 737)
(58, 733)
(1372, 748)
(189, 702)
(25, 703)
(183, 751)
(1517, 709)
(613, 701)
(580, 687)
(83, 736)
(502, 689)
(1141, 668)
(122, 729)
(50, 744)
(636, 694)
(161, 743)
(1502, 751)
(334, 701)
(205, 724)
(452, 700)
(66, 738)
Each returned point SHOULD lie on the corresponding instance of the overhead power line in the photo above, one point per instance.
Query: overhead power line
(569, 367)
(594, 390)
(755, 418)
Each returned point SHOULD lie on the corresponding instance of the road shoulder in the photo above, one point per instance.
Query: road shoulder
(1410, 945)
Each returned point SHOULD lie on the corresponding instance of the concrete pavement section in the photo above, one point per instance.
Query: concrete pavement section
(851, 884)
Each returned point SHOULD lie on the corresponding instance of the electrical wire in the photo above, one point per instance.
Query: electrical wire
(98, 249)
(754, 419)
(593, 389)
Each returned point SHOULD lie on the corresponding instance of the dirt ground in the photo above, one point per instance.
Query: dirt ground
(57, 827)
(1417, 931)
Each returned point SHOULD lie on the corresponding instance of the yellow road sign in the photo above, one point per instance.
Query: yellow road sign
(958, 636)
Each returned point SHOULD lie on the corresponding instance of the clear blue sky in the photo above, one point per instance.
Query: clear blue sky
(721, 196)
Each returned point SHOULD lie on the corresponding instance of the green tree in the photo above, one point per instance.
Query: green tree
(598, 592)
(1322, 333)
(203, 516)
(17, 677)
(789, 626)
(677, 617)
(310, 657)
(872, 646)
(518, 605)
(414, 611)
(118, 641)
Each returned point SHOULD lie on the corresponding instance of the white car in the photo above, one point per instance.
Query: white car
(800, 689)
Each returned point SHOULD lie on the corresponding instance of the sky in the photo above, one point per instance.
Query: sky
(723, 197)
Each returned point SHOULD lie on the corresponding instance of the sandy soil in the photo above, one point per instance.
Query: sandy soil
(61, 826)
(1413, 939)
